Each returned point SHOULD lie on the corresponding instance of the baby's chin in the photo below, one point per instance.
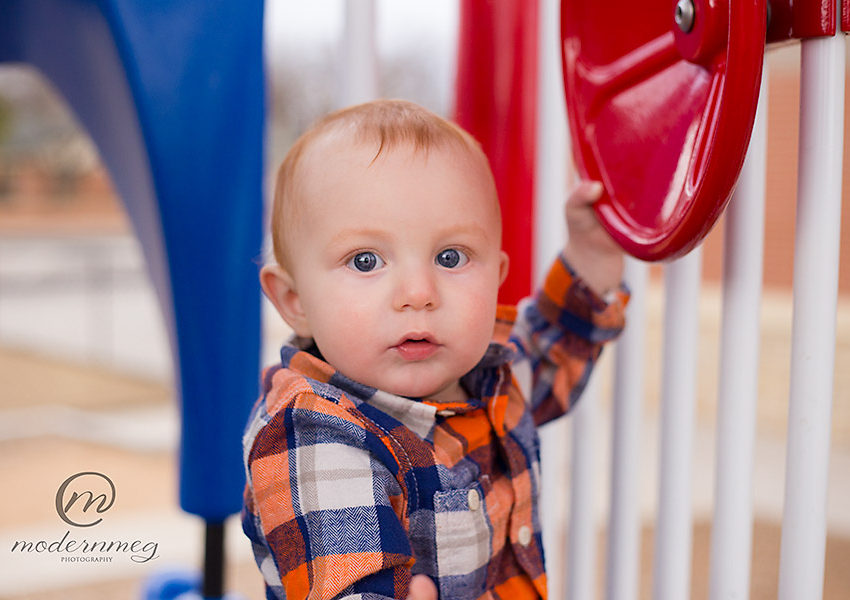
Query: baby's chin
(445, 393)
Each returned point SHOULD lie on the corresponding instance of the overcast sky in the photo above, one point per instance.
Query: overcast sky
(414, 32)
(399, 22)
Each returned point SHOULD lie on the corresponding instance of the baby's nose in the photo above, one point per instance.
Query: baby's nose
(416, 290)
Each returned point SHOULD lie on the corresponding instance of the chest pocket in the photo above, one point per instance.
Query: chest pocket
(464, 542)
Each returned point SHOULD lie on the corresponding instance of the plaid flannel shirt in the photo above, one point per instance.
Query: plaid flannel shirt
(351, 490)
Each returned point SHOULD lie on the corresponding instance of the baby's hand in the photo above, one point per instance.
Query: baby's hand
(422, 588)
(594, 255)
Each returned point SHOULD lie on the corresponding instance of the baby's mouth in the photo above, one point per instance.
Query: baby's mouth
(416, 348)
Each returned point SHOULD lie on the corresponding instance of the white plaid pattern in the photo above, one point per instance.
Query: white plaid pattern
(334, 476)
(463, 539)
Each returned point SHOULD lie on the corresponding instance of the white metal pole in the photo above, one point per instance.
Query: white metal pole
(816, 252)
(623, 552)
(581, 542)
(359, 62)
(552, 158)
(731, 529)
(673, 535)
(552, 164)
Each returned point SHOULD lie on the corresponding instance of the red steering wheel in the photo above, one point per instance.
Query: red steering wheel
(661, 99)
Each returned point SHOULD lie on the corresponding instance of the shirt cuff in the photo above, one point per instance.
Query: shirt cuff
(599, 302)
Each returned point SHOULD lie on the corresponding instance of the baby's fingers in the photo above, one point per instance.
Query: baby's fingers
(422, 588)
(585, 194)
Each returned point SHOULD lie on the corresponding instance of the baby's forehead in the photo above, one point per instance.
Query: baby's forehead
(335, 152)
(349, 145)
(385, 135)
(340, 180)
(332, 148)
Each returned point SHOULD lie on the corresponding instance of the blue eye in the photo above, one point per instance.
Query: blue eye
(365, 262)
(451, 258)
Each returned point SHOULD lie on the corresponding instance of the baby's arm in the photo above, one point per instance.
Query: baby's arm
(594, 256)
(560, 332)
(321, 510)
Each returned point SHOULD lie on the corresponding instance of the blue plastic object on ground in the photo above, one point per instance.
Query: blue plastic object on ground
(171, 585)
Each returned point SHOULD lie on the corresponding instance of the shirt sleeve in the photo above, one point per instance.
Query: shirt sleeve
(323, 512)
(559, 334)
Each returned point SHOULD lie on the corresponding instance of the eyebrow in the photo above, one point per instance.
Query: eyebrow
(466, 229)
(354, 232)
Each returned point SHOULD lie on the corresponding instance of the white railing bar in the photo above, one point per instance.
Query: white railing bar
(359, 61)
(552, 171)
(673, 534)
(623, 550)
(816, 252)
(552, 157)
(731, 532)
(581, 539)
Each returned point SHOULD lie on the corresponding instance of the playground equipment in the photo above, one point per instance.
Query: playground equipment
(662, 99)
(670, 91)
(496, 100)
(661, 105)
(662, 102)
(172, 94)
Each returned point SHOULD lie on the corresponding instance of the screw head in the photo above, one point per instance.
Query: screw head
(684, 15)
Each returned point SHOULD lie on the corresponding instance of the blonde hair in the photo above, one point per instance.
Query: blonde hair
(386, 123)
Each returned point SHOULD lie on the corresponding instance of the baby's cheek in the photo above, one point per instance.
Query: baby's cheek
(342, 331)
(351, 334)
(477, 324)
(481, 308)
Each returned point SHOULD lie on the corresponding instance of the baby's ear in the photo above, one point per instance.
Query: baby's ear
(279, 287)
(504, 262)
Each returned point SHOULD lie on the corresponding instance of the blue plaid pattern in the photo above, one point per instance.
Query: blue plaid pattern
(351, 490)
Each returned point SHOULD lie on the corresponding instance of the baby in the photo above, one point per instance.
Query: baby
(394, 450)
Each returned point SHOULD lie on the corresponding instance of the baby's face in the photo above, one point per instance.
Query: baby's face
(397, 264)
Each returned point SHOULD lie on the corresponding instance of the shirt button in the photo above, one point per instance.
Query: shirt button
(524, 535)
(474, 499)
(446, 412)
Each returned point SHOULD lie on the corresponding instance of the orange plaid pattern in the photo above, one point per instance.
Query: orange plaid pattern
(351, 491)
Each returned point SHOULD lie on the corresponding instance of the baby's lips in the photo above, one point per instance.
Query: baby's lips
(416, 349)
(419, 336)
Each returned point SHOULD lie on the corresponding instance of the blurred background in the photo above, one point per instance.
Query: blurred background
(85, 369)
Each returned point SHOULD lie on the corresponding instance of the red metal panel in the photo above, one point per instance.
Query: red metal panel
(780, 26)
(797, 19)
(813, 18)
(662, 117)
(497, 103)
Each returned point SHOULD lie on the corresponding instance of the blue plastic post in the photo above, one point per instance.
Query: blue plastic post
(172, 93)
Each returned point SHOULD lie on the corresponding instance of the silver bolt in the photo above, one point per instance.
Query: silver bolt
(685, 14)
